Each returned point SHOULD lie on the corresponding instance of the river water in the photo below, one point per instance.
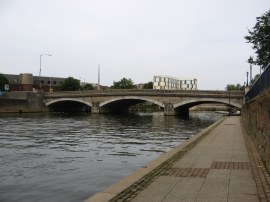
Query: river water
(58, 157)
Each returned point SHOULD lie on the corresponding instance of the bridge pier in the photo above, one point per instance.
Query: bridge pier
(169, 110)
(95, 108)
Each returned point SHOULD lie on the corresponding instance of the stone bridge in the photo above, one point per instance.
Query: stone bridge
(115, 101)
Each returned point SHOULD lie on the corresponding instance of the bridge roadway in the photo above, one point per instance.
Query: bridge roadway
(115, 101)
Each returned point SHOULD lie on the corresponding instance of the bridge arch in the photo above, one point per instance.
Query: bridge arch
(68, 105)
(68, 99)
(131, 98)
(121, 104)
(194, 102)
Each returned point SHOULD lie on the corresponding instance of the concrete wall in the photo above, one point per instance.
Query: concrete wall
(21, 102)
(256, 117)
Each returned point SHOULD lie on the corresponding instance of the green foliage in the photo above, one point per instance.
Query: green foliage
(3, 81)
(123, 84)
(70, 84)
(87, 86)
(259, 36)
(255, 78)
(148, 85)
(237, 87)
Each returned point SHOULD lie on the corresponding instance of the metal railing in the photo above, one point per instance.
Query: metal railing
(261, 84)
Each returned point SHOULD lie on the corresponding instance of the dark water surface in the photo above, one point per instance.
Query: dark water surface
(69, 158)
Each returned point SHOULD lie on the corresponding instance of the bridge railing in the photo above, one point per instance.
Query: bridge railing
(261, 84)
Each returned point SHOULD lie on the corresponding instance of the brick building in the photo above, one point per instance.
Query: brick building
(28, 82)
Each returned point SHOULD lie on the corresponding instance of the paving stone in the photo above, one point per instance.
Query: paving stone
(214, 187)
(219, 173)
(161, 187)
(185, 190)
(243, 198)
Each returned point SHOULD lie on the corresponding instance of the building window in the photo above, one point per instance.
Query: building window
(54, 82)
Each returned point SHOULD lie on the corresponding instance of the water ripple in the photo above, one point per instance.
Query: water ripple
(69, 158)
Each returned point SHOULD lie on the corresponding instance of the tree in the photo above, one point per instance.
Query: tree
(70, 84)
(259, 36)
(232, 87)
(148, 85)
(87, 86)
(3, 82)
(255, 78)
(123, 84)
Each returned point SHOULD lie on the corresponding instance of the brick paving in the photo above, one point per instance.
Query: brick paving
(187, 172)
(230, 165)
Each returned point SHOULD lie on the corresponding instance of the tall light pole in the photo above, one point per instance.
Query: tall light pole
(40, 67)
(250, 80)
(247, 79)
(98, 76)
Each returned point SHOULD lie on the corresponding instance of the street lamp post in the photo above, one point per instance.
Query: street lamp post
(40, 67)
(247, 79)
(250, 74)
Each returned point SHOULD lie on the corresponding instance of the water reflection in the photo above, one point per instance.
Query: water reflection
(63, 158)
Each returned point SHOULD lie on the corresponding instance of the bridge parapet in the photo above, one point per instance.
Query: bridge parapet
(125, 92)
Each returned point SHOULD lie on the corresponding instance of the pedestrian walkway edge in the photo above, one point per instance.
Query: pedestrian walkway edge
(150, 171)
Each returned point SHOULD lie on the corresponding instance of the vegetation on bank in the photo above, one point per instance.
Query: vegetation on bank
(3, 81)
(232, 87)
(148, 85)
(259, 36)
(70, 84)
(124, 83)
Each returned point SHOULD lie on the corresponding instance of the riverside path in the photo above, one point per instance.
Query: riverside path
(218, 164)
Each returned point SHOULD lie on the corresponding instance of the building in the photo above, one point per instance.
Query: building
(28, 82)
(171, 83)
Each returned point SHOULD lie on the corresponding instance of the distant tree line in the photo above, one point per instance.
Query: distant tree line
(233, 87)
(71, 84)
(125, 83)
(3, 81)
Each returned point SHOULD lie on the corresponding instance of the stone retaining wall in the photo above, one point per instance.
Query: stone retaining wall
(12, 102)
(256, 118)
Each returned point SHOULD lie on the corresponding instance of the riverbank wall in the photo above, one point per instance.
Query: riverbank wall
(256, 118)
(21, 102)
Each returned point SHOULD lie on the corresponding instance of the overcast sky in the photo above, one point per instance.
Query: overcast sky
(135, 39)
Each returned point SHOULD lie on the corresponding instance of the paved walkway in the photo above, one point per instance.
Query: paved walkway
(217, 168)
